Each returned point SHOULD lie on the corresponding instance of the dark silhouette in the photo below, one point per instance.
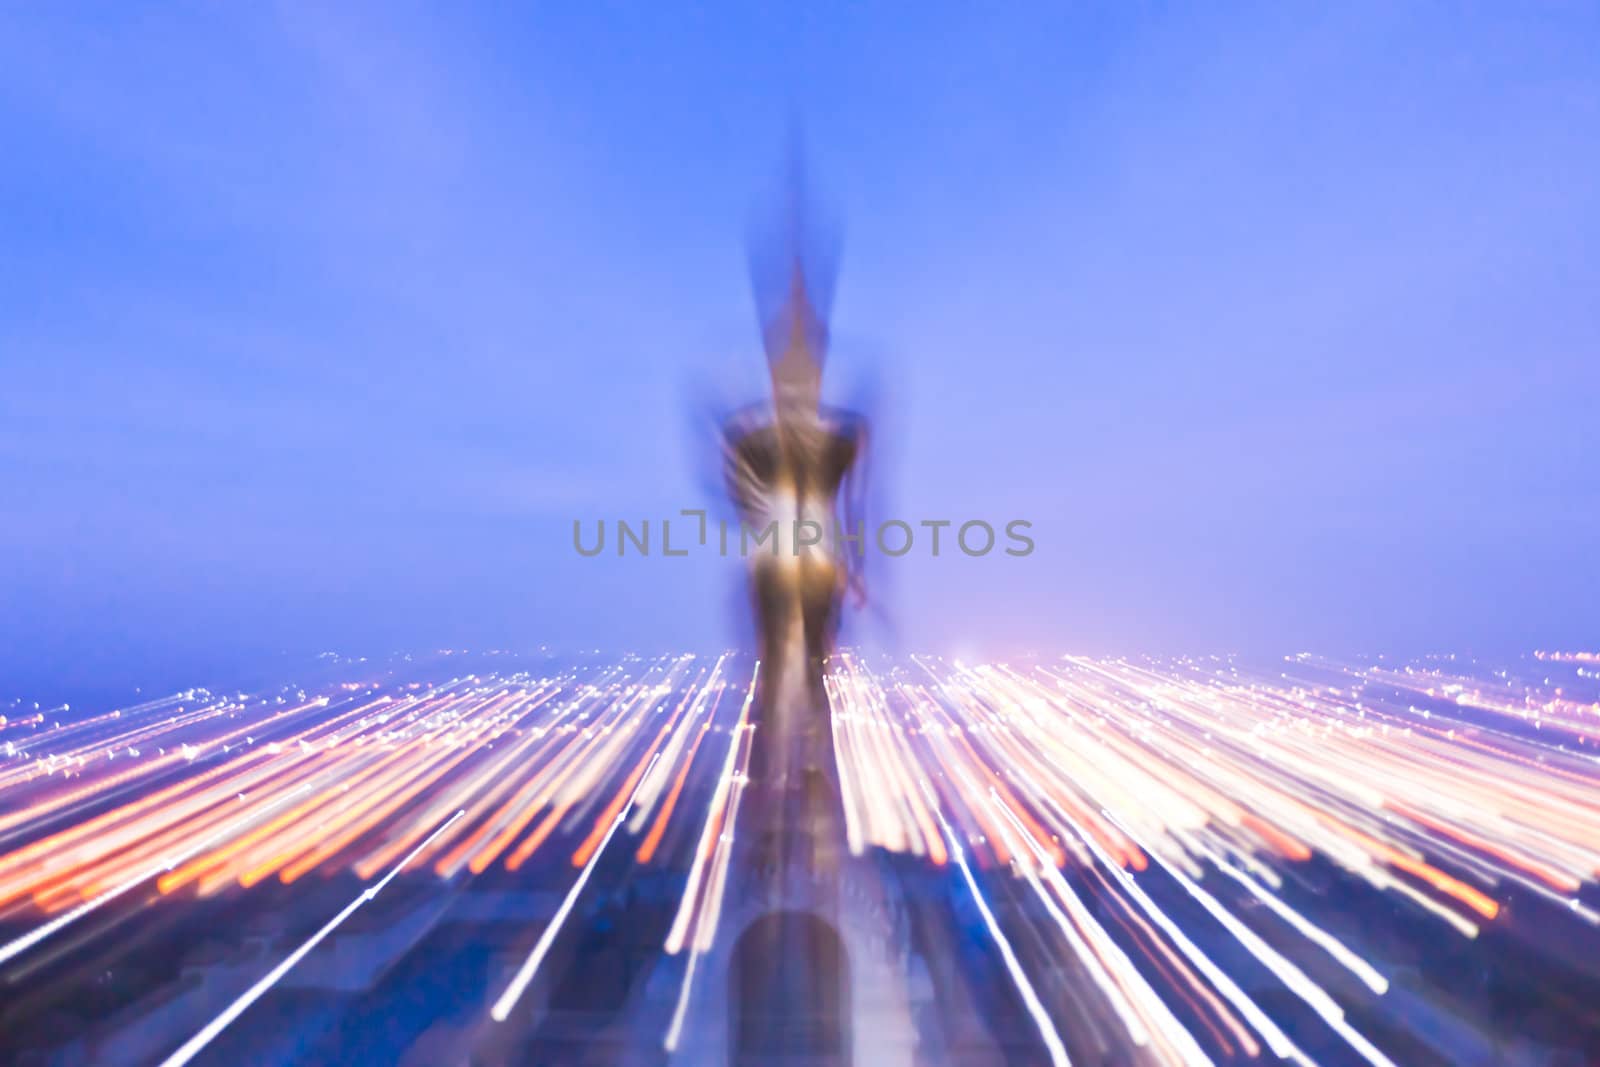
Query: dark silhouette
(787, 467)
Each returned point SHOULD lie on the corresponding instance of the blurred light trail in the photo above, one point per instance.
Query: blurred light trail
(715, 844)
(1036, 1008)
(22, 944)
(208, 1033)
(1194, 860)
(530, 967)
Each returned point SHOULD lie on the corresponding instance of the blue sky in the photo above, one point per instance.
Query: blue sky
(319, 327)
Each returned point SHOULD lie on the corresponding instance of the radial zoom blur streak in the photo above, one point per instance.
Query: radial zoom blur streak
(1192, 860)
